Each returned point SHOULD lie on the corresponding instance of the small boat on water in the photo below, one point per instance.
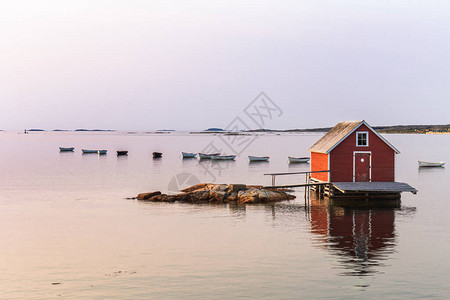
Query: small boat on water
(122, 152)
(63, 149)
(189, 155)
(87, 151)
(298, 159)
(431, 164)
(223, 157)
(258, 158)
(207, 156)
(157, 154)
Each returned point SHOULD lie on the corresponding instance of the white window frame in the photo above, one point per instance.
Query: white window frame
(370, 164)
(367, 138)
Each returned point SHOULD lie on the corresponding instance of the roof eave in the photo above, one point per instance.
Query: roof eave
(347, 135)
(380, 136)
(315, 151)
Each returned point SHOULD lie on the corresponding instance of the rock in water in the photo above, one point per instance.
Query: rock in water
(195, 187)
(237, 187)
(248, 196)
(220, 193)
(145, 196)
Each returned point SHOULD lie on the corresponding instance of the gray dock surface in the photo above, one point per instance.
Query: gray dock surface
(345, 187)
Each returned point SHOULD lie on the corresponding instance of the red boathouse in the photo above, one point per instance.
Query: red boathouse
(353, 152)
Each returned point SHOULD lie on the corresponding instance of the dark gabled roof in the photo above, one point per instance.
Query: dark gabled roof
(338, 133)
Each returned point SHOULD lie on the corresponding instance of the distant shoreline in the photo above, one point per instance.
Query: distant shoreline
(382, 129)
(419, 129)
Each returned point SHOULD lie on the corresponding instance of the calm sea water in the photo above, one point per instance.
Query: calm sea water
(68, 231)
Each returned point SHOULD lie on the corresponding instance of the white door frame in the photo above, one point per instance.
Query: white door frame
(370, 164)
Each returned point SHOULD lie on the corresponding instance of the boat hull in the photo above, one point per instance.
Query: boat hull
(223, 157)
(157, 154)
(207, 156)
(86, 151)
(62, 149)
(258, 158)
(122, 152)
(189, 155)
(298, 159)
(431, 164)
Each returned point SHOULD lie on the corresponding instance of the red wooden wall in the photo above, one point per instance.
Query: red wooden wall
(341, 158)
(319, 162)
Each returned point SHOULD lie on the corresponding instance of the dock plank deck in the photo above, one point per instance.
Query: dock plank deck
(352, 187)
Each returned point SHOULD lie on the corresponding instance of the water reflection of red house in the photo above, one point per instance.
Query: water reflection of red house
(361, 237)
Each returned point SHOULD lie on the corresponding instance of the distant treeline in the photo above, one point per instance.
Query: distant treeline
(381, 129)
(413, 128)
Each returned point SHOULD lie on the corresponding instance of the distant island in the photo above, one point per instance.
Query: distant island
(94, 129)
(212, 130)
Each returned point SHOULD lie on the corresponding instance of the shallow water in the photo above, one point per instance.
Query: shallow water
(68, 231)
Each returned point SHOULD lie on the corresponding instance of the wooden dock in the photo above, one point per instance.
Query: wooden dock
(346, 190)
(363, 190)
(373, 187)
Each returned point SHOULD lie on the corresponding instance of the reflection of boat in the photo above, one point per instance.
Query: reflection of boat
(157, 154)
(62, 149)
(207, 156)
(86, 151)
(223, 157)
(189, 155)
(122, 152)
(102, 151)
(258, 158)
(431, 164)
(298, 159)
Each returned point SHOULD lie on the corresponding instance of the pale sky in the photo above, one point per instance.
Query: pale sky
(183, 65)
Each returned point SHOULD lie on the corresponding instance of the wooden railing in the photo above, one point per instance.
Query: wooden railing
(307, 182)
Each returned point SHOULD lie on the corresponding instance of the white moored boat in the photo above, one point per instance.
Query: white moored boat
(207, 156)
(298, 159)
(223, 157)
(431, 164)
(258, 158)
(189, 155)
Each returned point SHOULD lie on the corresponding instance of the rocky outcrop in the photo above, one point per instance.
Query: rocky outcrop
(145, 196)
(220, 193)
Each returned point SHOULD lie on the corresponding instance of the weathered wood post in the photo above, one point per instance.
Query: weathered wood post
(309, 188)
